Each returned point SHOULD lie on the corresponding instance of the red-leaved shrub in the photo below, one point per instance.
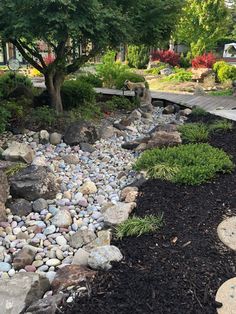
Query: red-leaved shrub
(166, 56)
(49, 59)
(207, 60)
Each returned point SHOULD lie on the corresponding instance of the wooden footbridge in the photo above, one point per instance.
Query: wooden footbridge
(218, 105)
(224, 106)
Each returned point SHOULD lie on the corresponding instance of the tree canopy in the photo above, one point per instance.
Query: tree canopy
(96, 24)
(202, 23)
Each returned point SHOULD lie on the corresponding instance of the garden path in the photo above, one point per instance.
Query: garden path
(220, 106)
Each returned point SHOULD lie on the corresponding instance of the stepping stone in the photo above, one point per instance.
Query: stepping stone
(227, 296)
(227, 232)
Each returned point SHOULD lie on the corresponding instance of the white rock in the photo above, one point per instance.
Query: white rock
(61, 240)
(53, 262)
(101, 257)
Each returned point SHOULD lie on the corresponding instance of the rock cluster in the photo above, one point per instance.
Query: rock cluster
(52, 229)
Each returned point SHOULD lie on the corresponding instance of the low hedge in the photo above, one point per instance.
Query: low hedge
(193, 164)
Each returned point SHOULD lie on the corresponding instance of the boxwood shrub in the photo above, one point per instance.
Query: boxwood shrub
(76, 93)
(194, 163)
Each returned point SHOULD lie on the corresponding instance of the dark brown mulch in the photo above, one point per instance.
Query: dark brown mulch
(179, 269)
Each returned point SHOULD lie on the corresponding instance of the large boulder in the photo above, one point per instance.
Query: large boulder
(81, 132)
(20, 207)
(33, 183)
(72, 275)
(101, 257)
(21, 291)
(4, 192)
(19, 152)
(163, 139)
(201, 73)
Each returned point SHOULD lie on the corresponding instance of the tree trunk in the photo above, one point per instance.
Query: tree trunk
(53, 83)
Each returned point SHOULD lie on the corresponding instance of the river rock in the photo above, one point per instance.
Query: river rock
(62, 218)
(55, 138)
(19, 152)
(86, 147)
(71, 159)
(39, 205)
(72, 275)
(129, 194)
(44, 137)
(101, 257)
(81, 238)
(107, 132)
(81, 132)
(33, 183)
(20, 291)
(88, 187)
(23, 258)
(20, 207)
(115, 214)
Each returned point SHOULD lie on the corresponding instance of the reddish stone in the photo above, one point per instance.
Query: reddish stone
(72, 275)
(30, 268)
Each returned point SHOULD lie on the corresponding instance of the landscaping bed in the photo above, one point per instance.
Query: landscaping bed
(180, 268)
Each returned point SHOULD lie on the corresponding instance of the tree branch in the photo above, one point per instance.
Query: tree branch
(33, 52)
(26, 56)
(80, 61)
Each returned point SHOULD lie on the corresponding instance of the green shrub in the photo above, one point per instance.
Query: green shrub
(184, 62)
(138, 56)
(5, 115)
(76, 93)
(133, 77)
(199, 112)
(10, 81)
(15, 108)
(109, 70)
(194, 132)
(120, 103)
(91, 79)
(157, 69)
(227, 92)
(180, 75)
(89, 111)
(44, 116)
(224, 71)
(196, 163)
(114, 74)
(221, 126)
(136, 226)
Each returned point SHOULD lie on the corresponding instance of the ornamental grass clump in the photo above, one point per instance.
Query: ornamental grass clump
(199, 112)
(194, 132)
(194, 164)
(137, 226)
(221, 126)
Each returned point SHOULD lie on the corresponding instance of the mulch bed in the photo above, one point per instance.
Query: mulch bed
(179, 269)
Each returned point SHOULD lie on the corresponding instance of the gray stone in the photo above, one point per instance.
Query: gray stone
(81, 258)
(20, 207)
(107, 132)
(21, 291)
(23, 258)
(48, 305)
(19, 152)
(55, 138)
(71, 159)
(101, 257)
(81, 238)
(115, 214)
(44, 137)
(87, 147)
(33, 183)
(62, 218)
(81, 132)
(4, 267)
(39, 205)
